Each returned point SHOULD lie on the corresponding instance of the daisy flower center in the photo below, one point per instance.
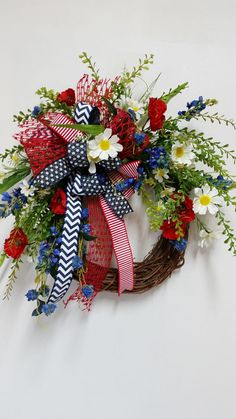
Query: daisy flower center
(179, 152)
(104, 144)
(135, 108)
(205, 200)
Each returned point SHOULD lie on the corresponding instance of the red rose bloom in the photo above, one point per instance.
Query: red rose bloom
(15, 244)
(58, 202)
(156, 110)
(68, 97)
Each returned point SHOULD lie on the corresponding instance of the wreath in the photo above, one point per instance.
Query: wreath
(81, 154)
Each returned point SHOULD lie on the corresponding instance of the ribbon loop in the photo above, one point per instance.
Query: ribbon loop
(77, 154)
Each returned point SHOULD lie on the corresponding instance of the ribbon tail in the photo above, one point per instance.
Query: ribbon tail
(121, 247)
(69, 245)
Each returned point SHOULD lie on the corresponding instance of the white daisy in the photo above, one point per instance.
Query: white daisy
(182, 153)
(27, 189)
(206, 200)
(161, 174)
(137, 107)
(208, 237)
(104, 145)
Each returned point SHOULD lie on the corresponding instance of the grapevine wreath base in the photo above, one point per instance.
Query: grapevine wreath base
(157, 266)
(81, 154)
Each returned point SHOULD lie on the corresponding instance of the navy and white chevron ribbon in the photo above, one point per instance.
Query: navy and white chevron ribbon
(82, 113)
(69, 246)
(86, 114)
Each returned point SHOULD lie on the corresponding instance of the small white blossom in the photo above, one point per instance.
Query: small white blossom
(161, 174)
(208, 237)
(167, 192)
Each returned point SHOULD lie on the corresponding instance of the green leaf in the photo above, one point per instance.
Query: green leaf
(87, 129)
(2, 258)
(142, 121)
(166, 97)
(11, 180)
(89, 238)
(149, 90)
(110, 106)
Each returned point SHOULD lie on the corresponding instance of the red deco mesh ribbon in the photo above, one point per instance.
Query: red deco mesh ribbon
(91, 91)
(41, 145)
(99, 254)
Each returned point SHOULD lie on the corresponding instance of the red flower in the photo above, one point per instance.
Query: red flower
(186, 213)
(156, 110)
(15, 244)
(68, 97)
(169, 230)
(58, 202)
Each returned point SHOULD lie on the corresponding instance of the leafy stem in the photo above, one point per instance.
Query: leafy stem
(92, 66)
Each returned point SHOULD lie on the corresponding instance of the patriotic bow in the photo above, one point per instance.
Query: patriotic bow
(101, 184)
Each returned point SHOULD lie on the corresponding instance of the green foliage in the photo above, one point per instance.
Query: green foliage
(8, 153)
(188, 178)
(14, 177)
(47, 94)
(22, 116)
(88, 129)
(128, 77)
(91, 66)
(212, 153)
(227, 231)
(36, 218)
(51, 104)
(216, 118)
(15, 266)
(149, 90)
(166, 97)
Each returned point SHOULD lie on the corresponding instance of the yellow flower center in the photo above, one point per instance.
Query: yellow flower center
(104, 144)
(161, 172)
(179, 152)
(205, 200)
(135, 108)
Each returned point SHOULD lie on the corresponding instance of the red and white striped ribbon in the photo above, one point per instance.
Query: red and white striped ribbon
(117, 228)
(68, 134)
(121, 247)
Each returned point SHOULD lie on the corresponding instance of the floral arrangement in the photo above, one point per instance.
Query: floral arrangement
(80, 156)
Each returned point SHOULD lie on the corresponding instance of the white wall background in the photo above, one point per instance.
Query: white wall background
(168, 354)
